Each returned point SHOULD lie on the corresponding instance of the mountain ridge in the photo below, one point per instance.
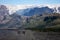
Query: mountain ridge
(14, 8)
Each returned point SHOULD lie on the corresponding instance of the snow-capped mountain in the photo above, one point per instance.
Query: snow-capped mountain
(35, 10)
(14, 8)
(15, 20)
(20, 9)
(38, 10)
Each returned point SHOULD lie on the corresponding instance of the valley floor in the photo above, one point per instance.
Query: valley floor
(28, 35)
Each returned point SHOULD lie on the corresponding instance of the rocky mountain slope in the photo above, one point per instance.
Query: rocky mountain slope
(4, 14)
(8, 21)
(47, 19)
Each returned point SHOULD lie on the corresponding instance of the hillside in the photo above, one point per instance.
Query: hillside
(45, 22)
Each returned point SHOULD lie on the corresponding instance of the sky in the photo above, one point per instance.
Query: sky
(27, 2)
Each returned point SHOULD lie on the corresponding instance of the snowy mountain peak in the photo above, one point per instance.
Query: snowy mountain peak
(14, 8)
